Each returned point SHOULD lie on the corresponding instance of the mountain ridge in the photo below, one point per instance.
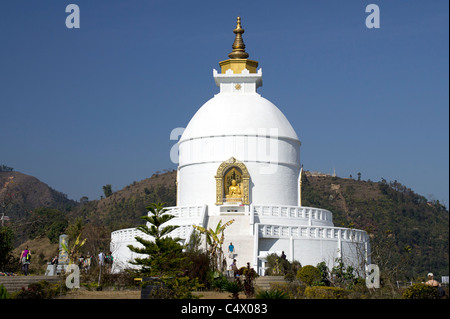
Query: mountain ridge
(406, 229)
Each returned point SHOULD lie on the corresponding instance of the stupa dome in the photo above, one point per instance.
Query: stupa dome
(238, 114)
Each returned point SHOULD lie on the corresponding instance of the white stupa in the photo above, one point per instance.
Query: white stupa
(239, 158)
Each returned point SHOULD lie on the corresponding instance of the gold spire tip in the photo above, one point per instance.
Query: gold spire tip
(238, 45)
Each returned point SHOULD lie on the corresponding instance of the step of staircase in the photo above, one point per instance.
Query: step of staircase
(263, 282)
(15, 283)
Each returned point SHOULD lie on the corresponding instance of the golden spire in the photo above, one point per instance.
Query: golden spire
(238, 45)
(238, 57)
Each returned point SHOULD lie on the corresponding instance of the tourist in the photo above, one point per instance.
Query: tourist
(101, 258)
(109, 259)
(231, 250)
(283, 256)
(87, 263)
(431, 281)
(434, 283)
(234, 268)
(25, 258)
(55, 260)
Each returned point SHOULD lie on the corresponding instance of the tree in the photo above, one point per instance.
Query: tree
(215, 239)
(164, 255)
(6, 246)
(48, 222)
(107, 190)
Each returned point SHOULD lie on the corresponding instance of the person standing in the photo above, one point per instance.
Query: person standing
(25, 258)
(234, 268)
(231, 251)
(101, 258)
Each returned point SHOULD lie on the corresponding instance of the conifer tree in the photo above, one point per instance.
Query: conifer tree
(164, 255)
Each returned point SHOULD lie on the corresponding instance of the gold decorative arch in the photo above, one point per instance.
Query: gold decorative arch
(232, 168)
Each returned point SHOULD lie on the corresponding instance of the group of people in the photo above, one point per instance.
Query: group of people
(83, 262)
(105, 259)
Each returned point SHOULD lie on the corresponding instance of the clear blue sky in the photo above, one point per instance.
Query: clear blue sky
(82, 108)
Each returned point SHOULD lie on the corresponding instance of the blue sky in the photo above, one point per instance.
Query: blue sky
(82, 108)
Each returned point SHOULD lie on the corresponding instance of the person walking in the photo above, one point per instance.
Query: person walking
(25, 258)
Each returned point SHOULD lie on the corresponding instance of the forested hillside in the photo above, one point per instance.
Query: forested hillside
(409, 235)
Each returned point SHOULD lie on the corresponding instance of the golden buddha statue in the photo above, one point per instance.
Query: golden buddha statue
(234, 192)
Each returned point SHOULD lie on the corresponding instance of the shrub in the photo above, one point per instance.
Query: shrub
(271, 294)
(421, 291)
(309, 275)
(322, 292)
(233, 287)
(41, 290)
(293, 289)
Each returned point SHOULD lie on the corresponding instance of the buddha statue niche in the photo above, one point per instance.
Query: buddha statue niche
(234, 192)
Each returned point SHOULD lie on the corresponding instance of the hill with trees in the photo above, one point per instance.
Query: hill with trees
(409, 234)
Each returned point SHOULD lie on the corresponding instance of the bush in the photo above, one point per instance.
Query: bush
(271, 294)
(41, 290)
(421, 291)
(322, 292)
(309, 275)
(293, 290)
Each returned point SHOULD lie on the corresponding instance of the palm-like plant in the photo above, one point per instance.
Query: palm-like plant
(215, 238)
(73, 251)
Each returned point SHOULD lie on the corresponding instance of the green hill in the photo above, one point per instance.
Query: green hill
(409, 235)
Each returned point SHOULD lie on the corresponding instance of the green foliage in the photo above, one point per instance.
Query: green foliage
(234, 287)
(394, 216)
(421, 291)
(277, 266)
(6, 246)
(216, 280)
(323, 292)
(215, 238)
(164, 255)
(107, 190)
(3, 293)
(41, 290)
(74, 250)
(48, 222)
(309, 275)
(293, 289)
(174, 288)
(341, 275)
(271, 294)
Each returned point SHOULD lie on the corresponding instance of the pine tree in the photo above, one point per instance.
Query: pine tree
(164, 255)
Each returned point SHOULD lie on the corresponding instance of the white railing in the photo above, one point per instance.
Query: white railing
(293, 212)
(127, 234)
(187, 211)
(195, 213)
(319, 232)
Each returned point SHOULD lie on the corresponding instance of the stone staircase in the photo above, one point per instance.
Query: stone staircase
(263, 282)
(15, 283)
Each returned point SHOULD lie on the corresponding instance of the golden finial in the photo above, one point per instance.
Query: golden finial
(238, 45)
(238, 61)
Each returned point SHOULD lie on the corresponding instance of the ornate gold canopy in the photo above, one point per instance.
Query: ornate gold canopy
(232, 182)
